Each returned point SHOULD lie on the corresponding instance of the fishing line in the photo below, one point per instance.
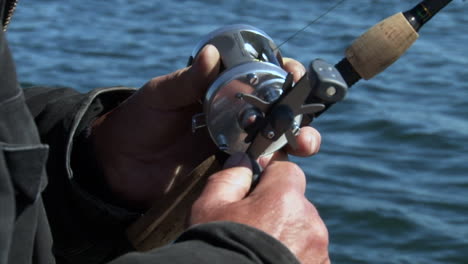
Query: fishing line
(311, 23)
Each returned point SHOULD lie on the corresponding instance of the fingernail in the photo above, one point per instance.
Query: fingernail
(235, 160)
(207, 48)
(301, 72)
(312, 143)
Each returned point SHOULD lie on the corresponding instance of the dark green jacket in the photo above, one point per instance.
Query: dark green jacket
(43, 181)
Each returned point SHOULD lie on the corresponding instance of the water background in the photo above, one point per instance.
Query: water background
(391, 180)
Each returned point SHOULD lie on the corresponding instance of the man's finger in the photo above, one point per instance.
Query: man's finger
(186, 86)
(281, 175)
(279, 155)
(294, 67)
(308, 142)
(229, 185)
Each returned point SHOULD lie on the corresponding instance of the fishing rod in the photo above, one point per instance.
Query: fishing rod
(255, 107)
(385, 42)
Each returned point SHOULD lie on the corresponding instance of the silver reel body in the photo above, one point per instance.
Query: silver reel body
(251, 65)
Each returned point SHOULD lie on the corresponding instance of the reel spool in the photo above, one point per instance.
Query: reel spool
(251, 76)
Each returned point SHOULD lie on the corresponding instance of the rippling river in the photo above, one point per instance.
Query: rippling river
(391, 180)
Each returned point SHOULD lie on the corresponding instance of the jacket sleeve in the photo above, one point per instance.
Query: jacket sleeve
(217, 242)
(87, 227)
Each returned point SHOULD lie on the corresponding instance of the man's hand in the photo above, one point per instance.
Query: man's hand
(145, 146)
(277, 206)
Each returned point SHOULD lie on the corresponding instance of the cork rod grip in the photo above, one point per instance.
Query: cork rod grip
(381, 45)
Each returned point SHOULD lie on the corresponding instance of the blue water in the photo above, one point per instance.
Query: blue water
(391, 180)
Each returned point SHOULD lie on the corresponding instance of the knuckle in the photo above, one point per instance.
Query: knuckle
(288, 168)
(223, 176)
(287, 201)
(295, 169)
(198, 206)
(294, 173)
(234, 177)
(199, 211)
(322, 236)
(320, 231)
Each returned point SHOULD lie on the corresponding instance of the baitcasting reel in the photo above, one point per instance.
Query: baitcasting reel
(254, 106)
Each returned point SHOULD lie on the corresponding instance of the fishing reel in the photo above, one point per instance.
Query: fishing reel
(254, 106)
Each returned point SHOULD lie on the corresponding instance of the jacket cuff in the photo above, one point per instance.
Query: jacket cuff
(87, 182)
(256, 245)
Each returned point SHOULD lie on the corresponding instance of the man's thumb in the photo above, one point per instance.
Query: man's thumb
(186, 86)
